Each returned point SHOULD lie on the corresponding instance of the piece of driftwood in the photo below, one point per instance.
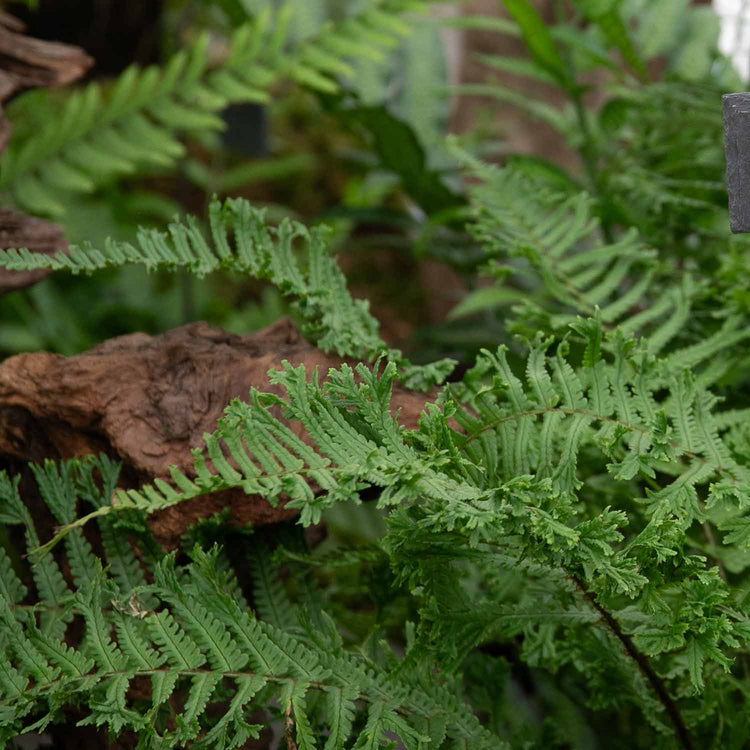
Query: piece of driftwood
(148, 400)
(27, 63)
(20, 230)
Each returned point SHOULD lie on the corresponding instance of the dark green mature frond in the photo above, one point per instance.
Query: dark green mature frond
(198, 639)
(99, 135)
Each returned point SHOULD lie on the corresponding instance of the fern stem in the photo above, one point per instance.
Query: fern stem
(289, 729)
(683, 735)
(587, 151)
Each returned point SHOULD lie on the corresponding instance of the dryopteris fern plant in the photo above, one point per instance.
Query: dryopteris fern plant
(507, 510)
(500, 526)
(573, 517)
(99, 135)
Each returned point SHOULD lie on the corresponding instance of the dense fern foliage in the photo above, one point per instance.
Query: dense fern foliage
(102, 135)
(565, 558)
(188, 629)
(535, 476)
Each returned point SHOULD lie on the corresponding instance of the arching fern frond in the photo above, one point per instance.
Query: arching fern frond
(99, 135)
(293, 257)
(198, 642)
(639, 414)
(546, 239)
(240, 240)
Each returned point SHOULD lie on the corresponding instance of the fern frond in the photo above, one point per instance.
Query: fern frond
(182, 641)
(519, 218)
(52, 591)
(550, 237)
(241, 241)
(269, 597)
(97, 136)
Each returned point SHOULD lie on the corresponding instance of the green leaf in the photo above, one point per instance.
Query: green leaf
(538, 39)
(399, 149)
(487, 298)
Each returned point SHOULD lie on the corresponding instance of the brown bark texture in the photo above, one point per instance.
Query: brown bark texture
(147, 401)
(20, 230)
(29, 63)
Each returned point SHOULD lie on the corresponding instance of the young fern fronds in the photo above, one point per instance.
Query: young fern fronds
(254, 451)
(293, 257)
(240, 240)
(98, 136)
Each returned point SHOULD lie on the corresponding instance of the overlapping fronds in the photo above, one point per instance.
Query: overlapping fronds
(183, 632)
(554, 236)
(642, 415)
(495, 462)
(97, 135)
(547, 242)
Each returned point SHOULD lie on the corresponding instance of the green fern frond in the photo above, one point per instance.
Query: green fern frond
(511, 432)
(97, 136)
(222, 658)
(241, 241)
(519, 218)
(258, 453)
(551, 240)
(269, 598)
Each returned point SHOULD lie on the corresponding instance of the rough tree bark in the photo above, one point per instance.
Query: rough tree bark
(148, 400)
(29, 63)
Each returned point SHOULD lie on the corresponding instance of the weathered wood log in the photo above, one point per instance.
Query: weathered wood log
(147, 401)
(27, 63)
(39, 236)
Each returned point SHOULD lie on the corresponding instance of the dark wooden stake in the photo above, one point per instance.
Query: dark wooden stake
(736, 109)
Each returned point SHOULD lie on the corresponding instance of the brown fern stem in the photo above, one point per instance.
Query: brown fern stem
(683, 735)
